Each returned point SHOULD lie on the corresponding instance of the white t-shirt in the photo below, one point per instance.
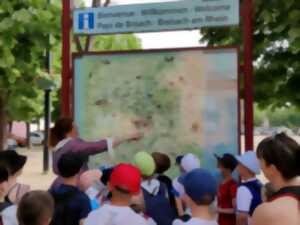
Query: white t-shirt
(244, 199)
(114, 215)
(195, 221)
(9, 215)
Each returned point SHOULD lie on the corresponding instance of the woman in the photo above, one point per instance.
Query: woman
(279, 158)
(64, 139)
(15, 163)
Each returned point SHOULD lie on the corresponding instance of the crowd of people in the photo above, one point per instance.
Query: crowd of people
(140, 193)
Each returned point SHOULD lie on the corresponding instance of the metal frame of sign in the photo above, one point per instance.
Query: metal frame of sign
(246, 11)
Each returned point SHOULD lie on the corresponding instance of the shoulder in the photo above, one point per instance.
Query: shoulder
(264, 214)
(9, 215)
(243, 191)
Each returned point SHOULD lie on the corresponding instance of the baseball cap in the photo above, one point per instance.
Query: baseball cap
(250, 161)
(190, 162)
(228, 161)
(126, 176)
(13, 160)
(145, 162)
(70, 164)
(199, 184)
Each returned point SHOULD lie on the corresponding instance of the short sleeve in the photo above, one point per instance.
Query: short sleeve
(177, 222)
(243, 199)
(233, 190)
(85, 207)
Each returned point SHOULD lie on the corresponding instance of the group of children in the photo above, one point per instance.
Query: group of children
(140, 193)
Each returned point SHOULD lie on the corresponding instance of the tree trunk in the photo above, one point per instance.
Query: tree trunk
(28, 135)
(3, 123)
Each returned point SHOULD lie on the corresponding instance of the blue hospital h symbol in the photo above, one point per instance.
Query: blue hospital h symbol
(86, 21)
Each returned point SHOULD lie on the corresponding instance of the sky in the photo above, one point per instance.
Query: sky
(174, 39)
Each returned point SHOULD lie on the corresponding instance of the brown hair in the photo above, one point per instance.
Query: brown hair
(61, 128)
(35, 207)
(283, 152)
(162, 161)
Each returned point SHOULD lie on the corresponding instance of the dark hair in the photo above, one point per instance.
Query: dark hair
(70, 164)
(12, 160)
(4, 174)
(283, 152)
(269, 191)
(162, 162)
(61, 128)
(205, 200)
(34, 207)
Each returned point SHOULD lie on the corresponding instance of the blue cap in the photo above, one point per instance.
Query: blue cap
(198, 184)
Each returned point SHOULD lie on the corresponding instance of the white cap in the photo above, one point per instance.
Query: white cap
(190, 162)
(250, 161)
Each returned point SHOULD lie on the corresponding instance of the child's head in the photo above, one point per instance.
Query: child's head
(189, 162)
(124, 182)
(248, 165)
(162, 162)
(69, 165)
(226, 164)
(200, 187)
(279, 156)
(35, 208)
(13, 161)
(146, 164)
(4, 176)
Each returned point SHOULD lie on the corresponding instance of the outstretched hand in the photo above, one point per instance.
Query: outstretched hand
(135, 136)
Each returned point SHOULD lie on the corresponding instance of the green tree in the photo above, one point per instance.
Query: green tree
(276, 50)
(24, 27)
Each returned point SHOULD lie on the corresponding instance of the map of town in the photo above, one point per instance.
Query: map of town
(181, 100)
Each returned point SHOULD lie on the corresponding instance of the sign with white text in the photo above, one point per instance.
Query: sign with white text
(177, 15)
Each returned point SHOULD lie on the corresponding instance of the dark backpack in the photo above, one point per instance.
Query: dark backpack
(287, 191)
(62, 214)
(158, 206)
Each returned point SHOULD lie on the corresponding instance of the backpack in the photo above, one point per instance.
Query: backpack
(158, 206)
(255, 188)
(62, 213)
(287, 191)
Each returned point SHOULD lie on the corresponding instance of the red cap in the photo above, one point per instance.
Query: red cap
(126, 176)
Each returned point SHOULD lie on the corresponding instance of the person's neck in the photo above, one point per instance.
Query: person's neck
(120, 201)
(201, 212)
(247, 177)
(72, 181)
(227, 177)
(280, 183)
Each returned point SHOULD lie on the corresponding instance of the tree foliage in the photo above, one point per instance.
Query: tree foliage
(24, 27)
(276, 50)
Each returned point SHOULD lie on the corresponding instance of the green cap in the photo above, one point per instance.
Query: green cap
(145, 162)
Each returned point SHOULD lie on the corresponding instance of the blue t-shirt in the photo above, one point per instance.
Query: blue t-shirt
(71, 205)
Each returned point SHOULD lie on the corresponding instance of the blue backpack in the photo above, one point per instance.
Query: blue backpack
(255, 188)
(158, 206)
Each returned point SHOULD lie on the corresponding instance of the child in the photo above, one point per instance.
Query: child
(249, 192)
(162, 164)
(124, 183)
(35, 208)
(15, 163)
(71, 205)
(227, 190)
(8, 211)
(200, 192)
(155, 193)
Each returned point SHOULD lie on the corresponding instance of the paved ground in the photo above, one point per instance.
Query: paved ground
(33, 175)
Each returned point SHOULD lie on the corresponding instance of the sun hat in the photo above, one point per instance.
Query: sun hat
(13, 160)
(190, 162)
(126, 176)
(228, 161)
(145, 162)
(250, 161)
(198, 184)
